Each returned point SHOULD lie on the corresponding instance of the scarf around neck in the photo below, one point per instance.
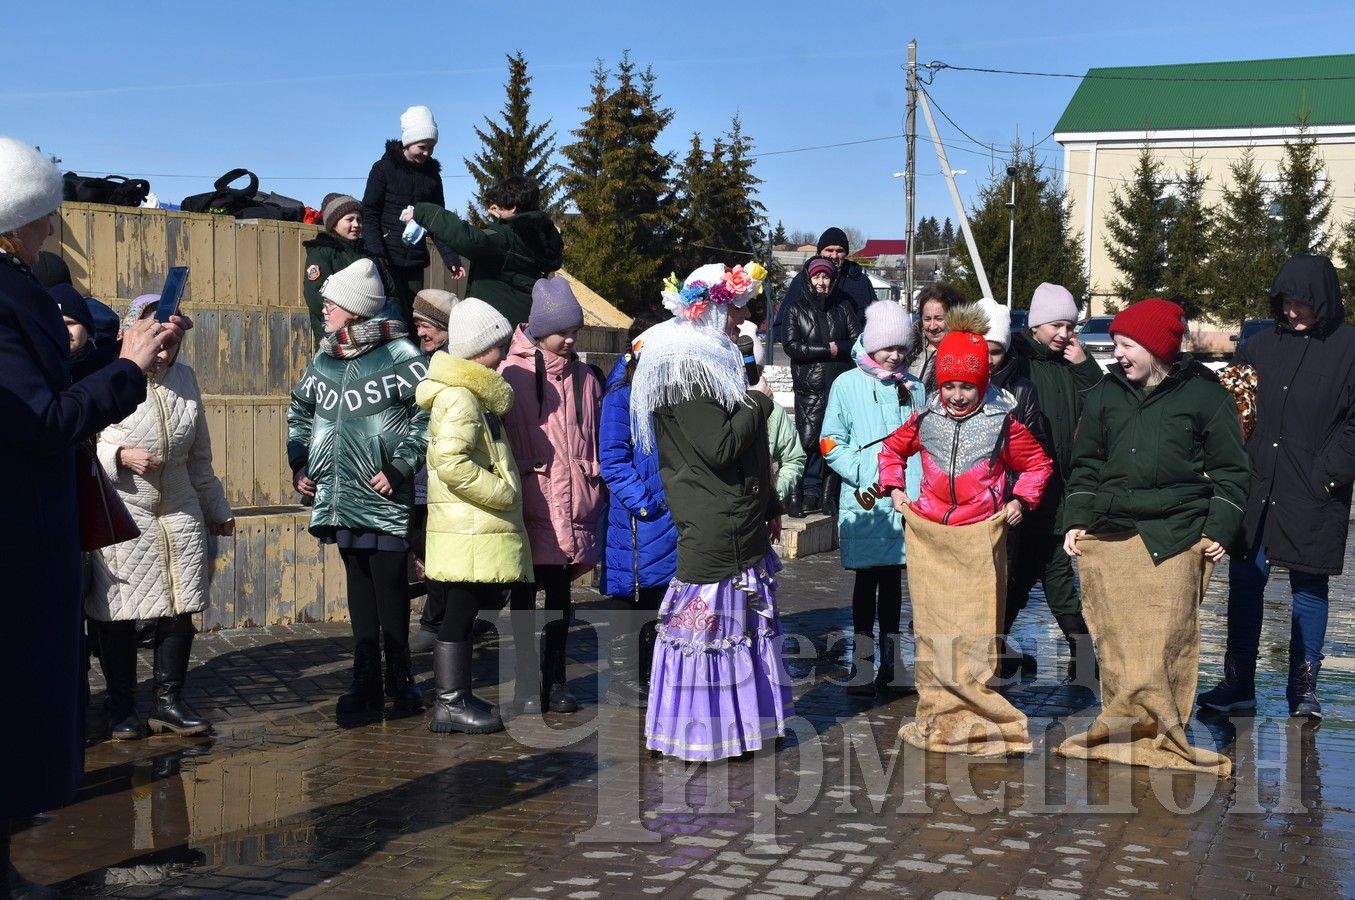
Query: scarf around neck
(353, 340)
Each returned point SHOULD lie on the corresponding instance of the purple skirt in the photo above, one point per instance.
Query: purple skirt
(717, 687)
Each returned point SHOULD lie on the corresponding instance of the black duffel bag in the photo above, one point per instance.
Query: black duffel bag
(244, 202)
(115, 190)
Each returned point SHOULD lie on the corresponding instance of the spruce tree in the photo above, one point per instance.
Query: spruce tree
(514, 146)
(779, 238)
(618, 242)
(1190, 274)
(1140, 216)
(947, 234)
(1345, 259)
(928, 234)
(1303, 199)
(1047, 247)
(1246, 246)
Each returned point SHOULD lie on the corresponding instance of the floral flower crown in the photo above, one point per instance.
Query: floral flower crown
(712, 284)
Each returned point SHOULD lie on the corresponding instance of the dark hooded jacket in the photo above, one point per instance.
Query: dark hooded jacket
(506, 257)
(1302, 452)
(815, 321)
(1022, 389)
(393, 184)
(851, 280)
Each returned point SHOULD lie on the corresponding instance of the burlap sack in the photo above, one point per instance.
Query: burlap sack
(1145, 621)
(957, 578)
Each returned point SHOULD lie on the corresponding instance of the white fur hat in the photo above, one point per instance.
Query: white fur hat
(30, 184)
(416, 124)
(999, 322)
(886, 326)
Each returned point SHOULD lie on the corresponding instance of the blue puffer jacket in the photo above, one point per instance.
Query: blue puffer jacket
(863, 410)
(640, 543)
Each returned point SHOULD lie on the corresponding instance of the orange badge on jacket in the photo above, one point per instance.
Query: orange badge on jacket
(827, 445)
(312, 273)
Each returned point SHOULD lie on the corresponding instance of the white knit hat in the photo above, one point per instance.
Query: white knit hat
(886, 326)
(1051, 303)
(999, 322)
(30, 184)
(357, 289)
(416, 124)
(474, 327)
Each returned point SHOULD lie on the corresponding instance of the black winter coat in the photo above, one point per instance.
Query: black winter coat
(813, 322)
(44, 417)
(851, 280)
(1302, 452)
(393, 184)
(329, 253)
(717, 474)
(1027, 410)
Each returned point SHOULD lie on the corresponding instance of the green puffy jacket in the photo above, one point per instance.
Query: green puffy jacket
(506, 257)
(352, 418)
(1060, 389)
(1167, 463)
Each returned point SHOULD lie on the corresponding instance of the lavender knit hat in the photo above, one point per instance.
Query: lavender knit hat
(554, 308)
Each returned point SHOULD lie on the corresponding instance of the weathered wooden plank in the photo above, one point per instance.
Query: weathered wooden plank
(199, 228)
(223, 243)
(310, 573)
(104, 258)
(203, 342)
(127, 231)
(268, 239)
(220, 611)
(75, 245)
(247, 265)
(279, 561)
(291, 262)
(154, 249)
(214, 411)
(269, 450)
(251, 598)
(240, 448)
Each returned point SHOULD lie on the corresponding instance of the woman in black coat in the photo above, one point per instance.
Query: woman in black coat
(820, 329)
(44, 417)
(1302, 456)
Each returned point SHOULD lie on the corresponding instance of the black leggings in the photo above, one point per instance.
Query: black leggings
(460, 602)
(378, 596)
(554, 580)
(888, 581)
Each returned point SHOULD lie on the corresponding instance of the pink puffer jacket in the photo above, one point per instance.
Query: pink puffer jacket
(553, 429)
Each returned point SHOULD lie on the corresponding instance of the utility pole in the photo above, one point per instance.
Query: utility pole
(910, 178)
(955, 199)
(1011, 233)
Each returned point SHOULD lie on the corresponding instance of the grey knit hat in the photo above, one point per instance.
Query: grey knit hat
(433, 305)
(474, 327)
(335, 207)
(357, 289)
(554, 307)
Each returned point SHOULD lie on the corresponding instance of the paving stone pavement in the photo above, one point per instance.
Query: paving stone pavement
(286, 802)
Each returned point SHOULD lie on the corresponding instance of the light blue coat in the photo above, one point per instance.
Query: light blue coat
(862, 410)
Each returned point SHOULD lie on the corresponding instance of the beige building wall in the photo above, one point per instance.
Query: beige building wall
(1095, 166)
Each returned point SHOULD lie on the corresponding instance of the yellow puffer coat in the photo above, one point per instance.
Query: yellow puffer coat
(475, 530)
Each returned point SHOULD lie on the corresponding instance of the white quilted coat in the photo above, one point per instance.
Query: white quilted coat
(163, 572)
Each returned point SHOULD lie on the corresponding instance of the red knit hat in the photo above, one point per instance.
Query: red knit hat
(963, 356)
(1154, 324)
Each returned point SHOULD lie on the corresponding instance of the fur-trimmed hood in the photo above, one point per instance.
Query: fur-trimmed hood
(445, 370)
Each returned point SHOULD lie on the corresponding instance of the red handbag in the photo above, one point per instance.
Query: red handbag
(104, 519)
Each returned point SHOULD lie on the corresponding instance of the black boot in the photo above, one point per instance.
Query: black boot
(364, 694)
(400, 687)
(1237, 691)
(117, 658)
(456, 708)
(884, 678)
(860, 672)
(624, 687)
(555, 689)
(1082, 668)
(649, 636)
(813, 503)
(173, 641)
(527, 688)
(1302, 691)
(795, 504)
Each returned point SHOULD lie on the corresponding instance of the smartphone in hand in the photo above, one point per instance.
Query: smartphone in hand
(172, 293)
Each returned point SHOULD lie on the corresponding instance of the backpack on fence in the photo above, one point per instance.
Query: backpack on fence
(244, 203)
(116, 190)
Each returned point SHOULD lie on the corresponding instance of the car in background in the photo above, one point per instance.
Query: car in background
(1019, 319)
(1250, 329)
(1094, 335)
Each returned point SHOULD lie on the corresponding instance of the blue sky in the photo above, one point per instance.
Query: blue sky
(305, 93)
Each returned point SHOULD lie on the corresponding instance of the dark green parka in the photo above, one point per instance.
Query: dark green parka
(1060, 388)
(327, 253)
(506, 257)
(716, 469)
(1167, 463)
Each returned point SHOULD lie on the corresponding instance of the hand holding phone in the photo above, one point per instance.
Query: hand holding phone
(172, 293)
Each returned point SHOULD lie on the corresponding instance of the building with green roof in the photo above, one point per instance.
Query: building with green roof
(1209, 111)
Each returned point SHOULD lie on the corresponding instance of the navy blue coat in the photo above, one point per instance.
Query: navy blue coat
(640, 542)
(42, 418)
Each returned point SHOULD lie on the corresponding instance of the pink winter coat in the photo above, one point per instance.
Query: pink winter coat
(553, 429)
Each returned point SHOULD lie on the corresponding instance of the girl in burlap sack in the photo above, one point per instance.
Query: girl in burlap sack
(970, 442)
(1156, 491)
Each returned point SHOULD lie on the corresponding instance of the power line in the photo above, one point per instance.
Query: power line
(1210, 79)
(888, 137)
